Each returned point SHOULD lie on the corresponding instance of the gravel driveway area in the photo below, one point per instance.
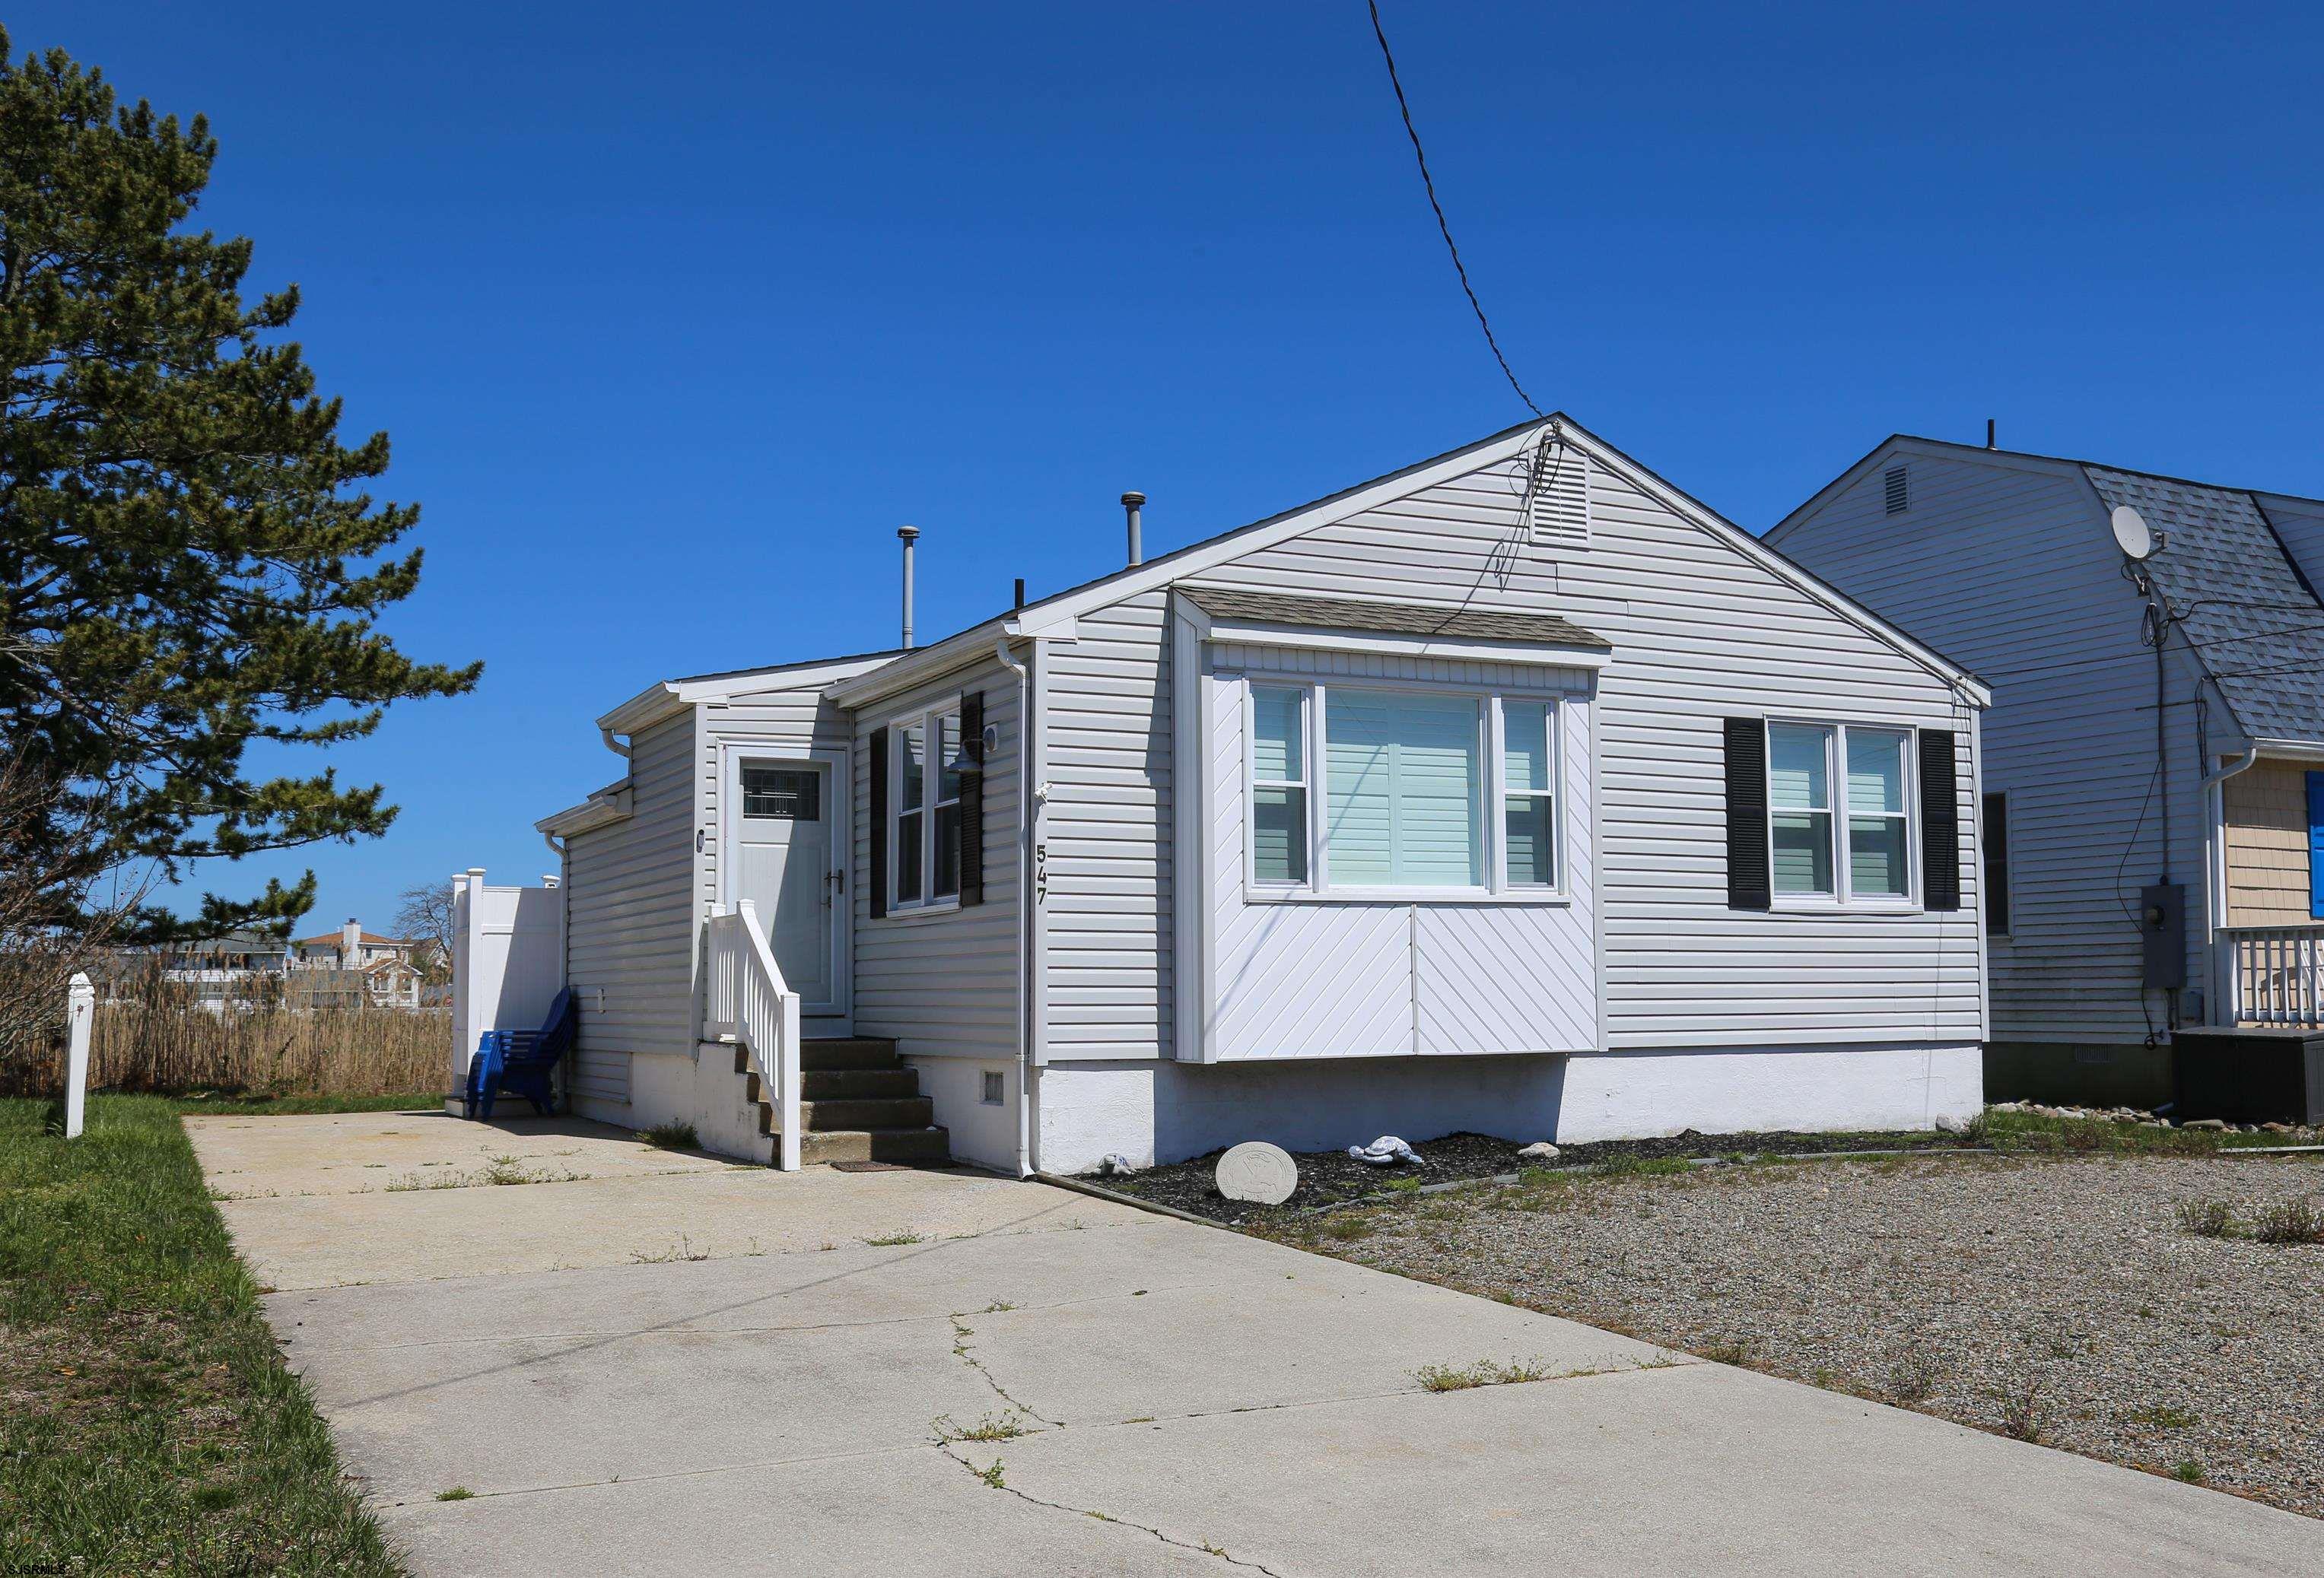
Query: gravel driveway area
(2063, 1301)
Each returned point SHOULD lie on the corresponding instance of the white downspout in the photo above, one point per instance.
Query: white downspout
(1025, 811)
(2215, 889)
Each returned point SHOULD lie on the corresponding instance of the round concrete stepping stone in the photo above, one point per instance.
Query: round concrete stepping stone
(1259, 1172)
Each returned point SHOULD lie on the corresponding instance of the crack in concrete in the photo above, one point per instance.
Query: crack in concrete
(994, 1477)
(602, 1334)
(961, 1332)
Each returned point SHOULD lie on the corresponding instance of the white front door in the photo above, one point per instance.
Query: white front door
(783, 865)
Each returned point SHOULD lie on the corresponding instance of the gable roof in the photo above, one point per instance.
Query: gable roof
(2250, 616)
(2253, 620)
(1055, 615)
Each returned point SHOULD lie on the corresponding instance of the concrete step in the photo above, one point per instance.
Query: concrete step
(842, 1084)
(894, 1112)
(929, 1144)
(864, 1098)
(860, 1052)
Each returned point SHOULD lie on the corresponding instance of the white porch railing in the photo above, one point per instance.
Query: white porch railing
(2275, 975)
(744, 1000)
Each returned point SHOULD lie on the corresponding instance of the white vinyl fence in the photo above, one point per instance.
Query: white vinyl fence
(508, 963)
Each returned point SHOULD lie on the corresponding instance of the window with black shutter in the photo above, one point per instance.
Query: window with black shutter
(1939, 821)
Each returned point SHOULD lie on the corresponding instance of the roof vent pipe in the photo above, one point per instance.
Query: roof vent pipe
(909, 535)
(1132, 503)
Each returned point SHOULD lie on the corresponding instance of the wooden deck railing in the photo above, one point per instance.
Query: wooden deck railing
(2275, 975)
(744, 1000)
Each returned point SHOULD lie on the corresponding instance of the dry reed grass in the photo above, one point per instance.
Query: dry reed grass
(152, 1036)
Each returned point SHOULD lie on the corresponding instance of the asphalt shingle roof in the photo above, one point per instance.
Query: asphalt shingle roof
(2256, 624)
(1402, 619)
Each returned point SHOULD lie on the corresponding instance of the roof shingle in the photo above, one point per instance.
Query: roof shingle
(1402, 619)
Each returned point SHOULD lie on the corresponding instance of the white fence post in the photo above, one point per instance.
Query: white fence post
(80, 1014)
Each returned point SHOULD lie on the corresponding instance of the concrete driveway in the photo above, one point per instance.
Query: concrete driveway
(663, 1364)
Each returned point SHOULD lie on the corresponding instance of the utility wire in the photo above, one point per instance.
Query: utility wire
(1446, 230)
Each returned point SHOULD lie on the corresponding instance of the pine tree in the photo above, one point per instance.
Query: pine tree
(187, 559)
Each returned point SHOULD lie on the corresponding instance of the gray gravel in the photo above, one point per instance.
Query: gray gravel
(2000, 1293)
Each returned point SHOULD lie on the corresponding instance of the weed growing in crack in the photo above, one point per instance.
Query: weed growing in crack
(991, 1476)
(1003, 1426)
(683, 1249)
(1483, 1373)
(673, 1135)
(457, 1493)
(891, 1240)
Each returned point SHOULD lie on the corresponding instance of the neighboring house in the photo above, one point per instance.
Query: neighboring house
(353, 967)
(350, 948)
(1513, 791)
(2153, 813)
(238, 967)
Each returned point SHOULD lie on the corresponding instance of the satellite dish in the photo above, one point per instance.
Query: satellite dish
(2130, 533)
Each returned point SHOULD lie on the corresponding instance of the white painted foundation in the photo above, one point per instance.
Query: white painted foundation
(985, 1136)
(1160, 1111)
(1628, 1096)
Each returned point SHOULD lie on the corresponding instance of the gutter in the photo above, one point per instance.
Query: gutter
(1024, 906)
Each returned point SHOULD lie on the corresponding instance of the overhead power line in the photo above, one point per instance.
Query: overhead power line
(1429, 185)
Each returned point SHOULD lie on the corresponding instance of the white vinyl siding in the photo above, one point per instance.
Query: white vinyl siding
(630, 948)
(1700, 633)
(943, 980)
(2031, 597)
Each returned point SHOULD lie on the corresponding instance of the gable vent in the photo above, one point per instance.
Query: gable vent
(1558, 511)
(1898, 491)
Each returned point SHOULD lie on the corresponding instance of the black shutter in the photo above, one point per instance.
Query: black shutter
(1747, 814)
(1940, 822)
(972, 799)
(879, 822)
(1993, 831)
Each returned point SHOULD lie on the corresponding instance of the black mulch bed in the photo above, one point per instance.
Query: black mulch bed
(1330, 1178)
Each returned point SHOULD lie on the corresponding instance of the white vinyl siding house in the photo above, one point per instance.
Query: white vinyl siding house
(1410, 811)
(2007, 563)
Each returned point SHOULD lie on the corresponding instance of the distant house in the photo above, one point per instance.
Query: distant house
(1514, 791)
(2153, 773)
(241, 966)
(352, 965)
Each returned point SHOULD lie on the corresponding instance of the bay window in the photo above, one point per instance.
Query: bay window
(923, 828)
(1369, 789)
(1838, 826)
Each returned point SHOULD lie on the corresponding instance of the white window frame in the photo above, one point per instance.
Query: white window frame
(1253, 783)
(930, 721)
(1314, 711)
(1843, 897)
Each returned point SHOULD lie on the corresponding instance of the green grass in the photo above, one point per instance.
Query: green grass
(2032, 1133)
(242, 1105)
(149, 1426)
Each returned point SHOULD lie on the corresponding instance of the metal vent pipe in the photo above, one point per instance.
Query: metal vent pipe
(1131, 504)
(909, 535)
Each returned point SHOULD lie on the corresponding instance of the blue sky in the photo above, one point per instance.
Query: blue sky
(675, 312)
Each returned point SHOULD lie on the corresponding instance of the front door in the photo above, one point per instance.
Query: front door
(783, 867)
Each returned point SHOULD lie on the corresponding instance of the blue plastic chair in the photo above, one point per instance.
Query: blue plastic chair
(520, 1062)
